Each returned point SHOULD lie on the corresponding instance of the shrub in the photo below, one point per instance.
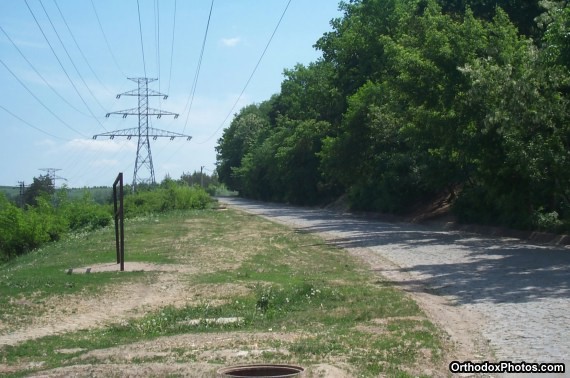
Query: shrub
(169, 196)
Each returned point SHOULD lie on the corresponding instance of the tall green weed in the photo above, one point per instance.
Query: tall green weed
(169, 196)
(22, 230)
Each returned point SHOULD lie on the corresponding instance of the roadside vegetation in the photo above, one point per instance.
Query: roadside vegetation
(44, 214)
(418, 100)
(293, 298)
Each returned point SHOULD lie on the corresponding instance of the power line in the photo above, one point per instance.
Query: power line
(61, 65)
(40, 75)
(78, 47)
(250, 76)
(30, 125)
(190, 98)
(141, 34)
(70, 59)
(157, 39)
(106, 40)
(195, 82)
(172, 47)
(40, 101)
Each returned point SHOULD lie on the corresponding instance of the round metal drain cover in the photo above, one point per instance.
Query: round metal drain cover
(265, 370)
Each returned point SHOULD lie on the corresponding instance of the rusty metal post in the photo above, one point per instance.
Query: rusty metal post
(119, 221)
(122, 230)
(115, 214)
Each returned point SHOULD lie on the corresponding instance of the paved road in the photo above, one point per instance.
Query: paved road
(522, 290)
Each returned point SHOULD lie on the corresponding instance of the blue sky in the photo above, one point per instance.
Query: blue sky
(48, 119)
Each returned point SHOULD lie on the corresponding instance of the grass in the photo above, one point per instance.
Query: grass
(320, 305)
(31, 279)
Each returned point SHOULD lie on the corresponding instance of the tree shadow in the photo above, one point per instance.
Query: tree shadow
(468, 267)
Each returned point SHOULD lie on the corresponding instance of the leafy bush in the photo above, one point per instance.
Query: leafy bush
(86, 213)
(51, 218)
(547, 221)
(24, 230)
(220, 190)
(169, 196)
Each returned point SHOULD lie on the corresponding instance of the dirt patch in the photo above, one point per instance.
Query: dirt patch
(183, 369)
(136, 267)
(191, 355)
(132, 370)
(68, 313)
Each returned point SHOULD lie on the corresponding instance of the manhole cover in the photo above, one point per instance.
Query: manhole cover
(266, 370)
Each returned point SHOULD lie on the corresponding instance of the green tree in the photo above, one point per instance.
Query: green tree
(309, 93)
(297, 161)
(522, 13)
(520, 135)
(557, 37)
(243, 133)
(42, 186)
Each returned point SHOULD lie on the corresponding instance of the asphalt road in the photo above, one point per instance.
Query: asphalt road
(522, 290)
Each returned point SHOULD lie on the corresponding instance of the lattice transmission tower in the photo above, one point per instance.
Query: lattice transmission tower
(51, 173)
(144, 131)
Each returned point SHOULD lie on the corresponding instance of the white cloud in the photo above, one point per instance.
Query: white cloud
(104, 163)
(45, 143)
(101, 145)
(231, 42)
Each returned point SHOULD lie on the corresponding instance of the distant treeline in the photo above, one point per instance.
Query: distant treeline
(414, 99)
(100, 195)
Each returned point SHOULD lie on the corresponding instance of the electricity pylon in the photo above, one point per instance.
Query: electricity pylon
(52, 175)
(143, 132)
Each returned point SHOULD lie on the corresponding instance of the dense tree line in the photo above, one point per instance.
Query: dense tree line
(415, 98)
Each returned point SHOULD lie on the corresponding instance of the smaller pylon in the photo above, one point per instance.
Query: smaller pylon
(52, 176)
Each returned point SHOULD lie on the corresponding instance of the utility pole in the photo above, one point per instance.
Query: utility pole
(201, 177)
(50, 172)
(144, 131)
(22, 191)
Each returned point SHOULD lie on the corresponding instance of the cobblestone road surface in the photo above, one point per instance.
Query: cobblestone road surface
(522, 290)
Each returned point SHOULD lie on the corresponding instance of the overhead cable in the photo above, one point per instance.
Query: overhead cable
(141, 34)
(71, 59)
(195, 82)
(106, 40)
(40, 101)
(250, 76)
(172, 47)
(40, 75)
(79, 47)
(157, 38)
(32, 126)
(61, 65)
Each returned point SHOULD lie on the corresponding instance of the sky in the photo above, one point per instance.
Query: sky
(63, 62)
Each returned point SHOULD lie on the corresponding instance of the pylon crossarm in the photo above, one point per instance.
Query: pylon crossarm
(159, 113)
(135, 92)
(124, 113)
(134, 132)
(129, 133)
(151, 112)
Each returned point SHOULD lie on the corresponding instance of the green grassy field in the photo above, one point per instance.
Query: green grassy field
(294, 299)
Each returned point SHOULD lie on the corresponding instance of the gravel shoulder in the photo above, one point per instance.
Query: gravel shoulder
(497, 298)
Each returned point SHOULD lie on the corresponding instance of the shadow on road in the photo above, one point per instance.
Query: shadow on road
(469, 267)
